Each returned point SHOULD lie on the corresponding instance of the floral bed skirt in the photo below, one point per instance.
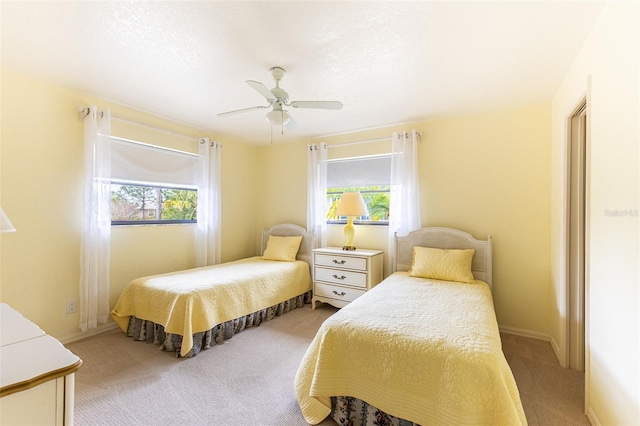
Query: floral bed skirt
(349, 411)
(150, 332)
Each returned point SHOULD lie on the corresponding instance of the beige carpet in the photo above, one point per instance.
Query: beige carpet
(550, 394)
(248, 380)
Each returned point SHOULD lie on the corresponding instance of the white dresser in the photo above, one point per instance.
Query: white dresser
(36, 374)
(340, 276)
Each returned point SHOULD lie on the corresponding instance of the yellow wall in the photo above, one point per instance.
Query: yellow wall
(608, 72)
(42, 184)
(489, 174)
(486, 173)
(281, 190)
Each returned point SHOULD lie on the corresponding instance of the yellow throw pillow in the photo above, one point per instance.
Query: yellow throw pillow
(440, 264)
(282, 248)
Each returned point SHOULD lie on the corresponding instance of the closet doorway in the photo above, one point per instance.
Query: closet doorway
(576, 230)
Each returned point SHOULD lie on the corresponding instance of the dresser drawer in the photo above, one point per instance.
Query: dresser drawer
(340, 276)
(358, 263)
(335, 292)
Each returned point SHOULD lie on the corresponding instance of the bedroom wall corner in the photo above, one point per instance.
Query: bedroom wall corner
(488, 173)
(608, 65)
(281, 180)
(240, 199)
(41, 180)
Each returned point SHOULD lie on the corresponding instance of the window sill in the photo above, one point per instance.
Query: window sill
(123, 223)
(359, 222)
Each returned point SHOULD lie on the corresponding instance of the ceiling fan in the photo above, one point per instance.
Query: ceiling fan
(278, 98)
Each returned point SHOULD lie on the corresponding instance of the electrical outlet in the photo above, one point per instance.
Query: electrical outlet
(71, 307)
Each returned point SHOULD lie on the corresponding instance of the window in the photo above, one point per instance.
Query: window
(135, 204)
(375, 197)
(371, 176)
(153, 185)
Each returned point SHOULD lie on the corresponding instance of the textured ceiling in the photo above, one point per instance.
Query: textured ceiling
(387, 62)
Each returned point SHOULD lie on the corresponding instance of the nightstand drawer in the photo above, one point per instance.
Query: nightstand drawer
(347, 262)
(341, 276)
(335, 292)
(357, 279)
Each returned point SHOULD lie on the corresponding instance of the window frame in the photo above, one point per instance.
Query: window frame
(359, 186)
(155, 221)
(359, 221)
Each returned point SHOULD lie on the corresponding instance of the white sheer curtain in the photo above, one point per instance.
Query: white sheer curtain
(317, 192)
(404, 202)
(209, 205)
(96, 220)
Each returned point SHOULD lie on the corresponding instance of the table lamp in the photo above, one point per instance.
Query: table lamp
(351, 204)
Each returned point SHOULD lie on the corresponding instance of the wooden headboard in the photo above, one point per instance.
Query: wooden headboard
(446, 238)
(288, 230)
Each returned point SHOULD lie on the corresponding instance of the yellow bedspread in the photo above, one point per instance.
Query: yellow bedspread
(423, 350)
(196, 300)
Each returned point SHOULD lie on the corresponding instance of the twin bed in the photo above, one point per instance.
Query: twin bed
(420, 348)
(187, 311)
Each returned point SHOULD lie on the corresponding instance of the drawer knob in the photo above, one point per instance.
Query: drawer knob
(339, 262)
(342, 293)
(341, 277)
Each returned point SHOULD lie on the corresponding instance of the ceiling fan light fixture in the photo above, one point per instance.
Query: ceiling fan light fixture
(278, 98)
(278, 117)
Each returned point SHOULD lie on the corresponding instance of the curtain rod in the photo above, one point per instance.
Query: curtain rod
(84, 111)
(406, 135)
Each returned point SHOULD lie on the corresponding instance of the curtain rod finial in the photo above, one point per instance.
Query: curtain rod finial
(83, 112)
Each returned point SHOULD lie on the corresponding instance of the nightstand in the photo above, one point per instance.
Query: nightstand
(340, 276)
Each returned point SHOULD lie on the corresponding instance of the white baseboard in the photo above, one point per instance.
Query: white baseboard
(556, 350)
(525, 333)
(591, 416)
(555, 347)
(535, 335)
(79, 335)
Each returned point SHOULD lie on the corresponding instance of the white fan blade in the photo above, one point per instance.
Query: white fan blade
(317, 104)
(262, 89)
(238, 111)
(291, 125)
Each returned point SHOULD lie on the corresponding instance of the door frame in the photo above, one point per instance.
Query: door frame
(586, 101)
(575, 257)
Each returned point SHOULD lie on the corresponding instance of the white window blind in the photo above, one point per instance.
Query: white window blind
(361, 171)
(142, 163)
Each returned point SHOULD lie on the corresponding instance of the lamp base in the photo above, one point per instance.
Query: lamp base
(349, 233)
